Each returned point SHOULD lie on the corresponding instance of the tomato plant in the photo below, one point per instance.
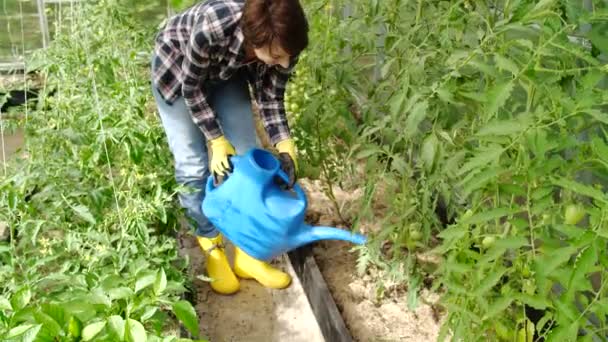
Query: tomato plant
(492, 114)
(90, 203)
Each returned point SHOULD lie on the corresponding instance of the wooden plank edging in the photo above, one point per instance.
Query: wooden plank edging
(319, 297)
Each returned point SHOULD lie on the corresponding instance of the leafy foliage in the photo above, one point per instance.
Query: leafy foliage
(494, 115)
(90, 203)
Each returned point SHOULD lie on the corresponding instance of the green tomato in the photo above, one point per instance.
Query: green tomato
(574, 213)
(488, 241)
(416, 235)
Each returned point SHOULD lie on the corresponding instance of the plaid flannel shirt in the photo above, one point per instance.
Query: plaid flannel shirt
(205, 43)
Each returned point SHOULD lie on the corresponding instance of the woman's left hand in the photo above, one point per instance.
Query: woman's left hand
(287, 157)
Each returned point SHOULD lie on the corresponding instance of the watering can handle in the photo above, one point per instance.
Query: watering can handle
(296, 187)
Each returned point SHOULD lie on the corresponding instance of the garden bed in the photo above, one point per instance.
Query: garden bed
(368, 316)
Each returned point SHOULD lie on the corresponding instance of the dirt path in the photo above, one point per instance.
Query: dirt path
(254, 314)
(368, 319)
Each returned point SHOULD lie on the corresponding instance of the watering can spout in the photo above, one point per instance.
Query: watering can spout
(311, 234)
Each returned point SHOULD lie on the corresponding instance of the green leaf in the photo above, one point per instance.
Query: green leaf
(502, 127)
(368, 152)
(511, 242)
(185, 313)
(111, 281)
(117, 327)
(505, 63)
(489, 281)
(490, 215)
(414, 119)
(387, 67)
(396, 103)
(160, 284)
(84, 213)
(476, 181)
(581, 189)
(541, 192)
(48, 322)
(149, 312)
(572, 232)
(498, 306)
(492, 254)
(566, 312)
(135, 331)
(536, 301)
(412, 296)
(481, 159)
(445, 95)
(600, 148)
(564, 333)
(75, 326)
(498, 96)
(456, 231)
(98, 297)
(5, 304)
(598, 115)
(582, 265)
(81, 309)
(429, 151)
(539, 7)
(488, 70)
(549, 262)
(541, 323)
(34, 233)
(27, 332)
(120, 293)
(457, 267)
(597, 35)
(92, 330)
(144, 280)
(21, 299)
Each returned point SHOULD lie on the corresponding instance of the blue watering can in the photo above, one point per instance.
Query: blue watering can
(257, 215)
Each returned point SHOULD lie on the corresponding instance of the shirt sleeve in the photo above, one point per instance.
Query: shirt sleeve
(195, 67)
(272, 105)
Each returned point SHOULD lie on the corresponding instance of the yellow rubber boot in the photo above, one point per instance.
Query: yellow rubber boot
(218, 269)
(247, 267)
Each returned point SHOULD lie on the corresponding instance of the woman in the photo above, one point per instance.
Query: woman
(204, 60)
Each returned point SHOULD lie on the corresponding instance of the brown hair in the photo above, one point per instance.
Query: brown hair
(265, 21)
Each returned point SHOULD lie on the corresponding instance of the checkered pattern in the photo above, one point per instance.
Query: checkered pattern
(205, 43)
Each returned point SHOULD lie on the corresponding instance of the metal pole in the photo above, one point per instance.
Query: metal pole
(44, 26)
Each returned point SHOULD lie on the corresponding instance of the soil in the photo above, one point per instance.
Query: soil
(367, 318)
(255, 313)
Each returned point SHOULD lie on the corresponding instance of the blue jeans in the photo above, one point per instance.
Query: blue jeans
(232, 104)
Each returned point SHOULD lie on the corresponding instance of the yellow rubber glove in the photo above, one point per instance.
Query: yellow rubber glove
(288, 146)
(221, 149)
(287, 157)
